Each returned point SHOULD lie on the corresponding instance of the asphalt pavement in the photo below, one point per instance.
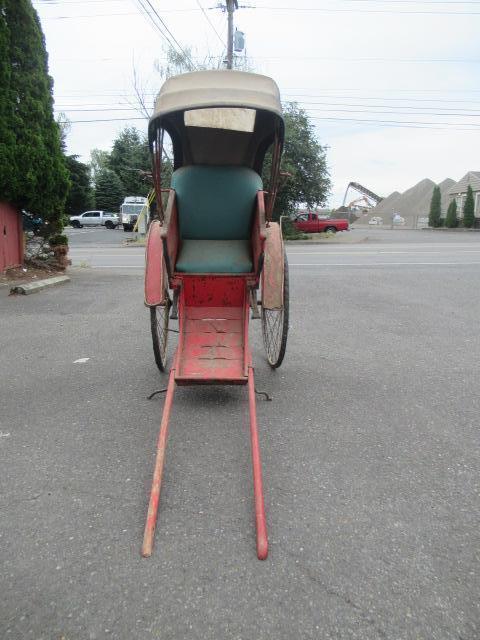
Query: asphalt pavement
(370, 456)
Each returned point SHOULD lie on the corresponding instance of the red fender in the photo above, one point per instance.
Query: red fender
(273, 268)
(155, 279)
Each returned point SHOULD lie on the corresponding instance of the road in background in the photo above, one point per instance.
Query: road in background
(102, 249)
(370, 451)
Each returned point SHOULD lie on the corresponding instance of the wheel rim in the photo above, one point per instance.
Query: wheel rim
(275, 326)
(159, 317)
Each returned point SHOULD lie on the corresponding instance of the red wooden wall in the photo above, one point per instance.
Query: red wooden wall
(11, 237)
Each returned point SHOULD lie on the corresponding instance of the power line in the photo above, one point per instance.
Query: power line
(186, 55)
(372, 59)
(474, 112)
(210, 23)
(354, 10)
(409, 124)
(450, 126)
(63, 2)
(90, 15)
(471, 113)
(382, 97)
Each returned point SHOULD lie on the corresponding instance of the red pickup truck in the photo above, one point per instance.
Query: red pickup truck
(311, 223)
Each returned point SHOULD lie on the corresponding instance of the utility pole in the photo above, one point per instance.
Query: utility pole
(231, 6)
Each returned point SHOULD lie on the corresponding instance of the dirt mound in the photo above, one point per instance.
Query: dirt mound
(413, 203)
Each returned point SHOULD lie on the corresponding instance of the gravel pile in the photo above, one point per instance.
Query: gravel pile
(413, 203)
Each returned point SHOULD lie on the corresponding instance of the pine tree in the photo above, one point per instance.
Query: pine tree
(469, 209)
(7, 137)
(109, 191)
(129, 158)
(435, 215)
(33, 175)
(80, 197)
(451, 221)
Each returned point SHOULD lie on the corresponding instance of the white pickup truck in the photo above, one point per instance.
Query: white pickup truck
(95, 218)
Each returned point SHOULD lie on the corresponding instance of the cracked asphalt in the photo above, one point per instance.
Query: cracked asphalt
(370, 457)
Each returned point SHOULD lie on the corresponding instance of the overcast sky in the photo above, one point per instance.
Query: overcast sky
(360, 68)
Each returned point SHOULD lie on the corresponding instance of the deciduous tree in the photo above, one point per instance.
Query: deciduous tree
(304, 160)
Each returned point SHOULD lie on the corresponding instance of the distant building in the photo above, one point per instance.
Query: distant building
(458, 192)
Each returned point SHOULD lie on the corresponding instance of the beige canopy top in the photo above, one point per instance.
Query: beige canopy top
(220, 117)
(219, 88)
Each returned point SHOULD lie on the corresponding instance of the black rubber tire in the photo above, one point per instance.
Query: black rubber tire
(160, 335)
(332, 229)
(109, 225)
(127, 227)
(76, 224)
(275, 356)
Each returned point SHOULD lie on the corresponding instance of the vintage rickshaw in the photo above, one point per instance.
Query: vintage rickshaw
(214, 245)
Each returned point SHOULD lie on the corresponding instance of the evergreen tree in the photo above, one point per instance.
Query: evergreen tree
(451, 221)
(99, 160)
(469, 209)
(109, 191)
(80, 196)
(8, 177)
(33, 175)
(130, 159)
(435, 215)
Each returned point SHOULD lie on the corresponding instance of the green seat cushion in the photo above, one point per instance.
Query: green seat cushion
(215, 203)
(214, 256)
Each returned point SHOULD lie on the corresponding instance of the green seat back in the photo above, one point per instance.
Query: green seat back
(215, 203)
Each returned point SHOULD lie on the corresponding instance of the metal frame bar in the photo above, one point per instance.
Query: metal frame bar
(260, 520)
(158, 470)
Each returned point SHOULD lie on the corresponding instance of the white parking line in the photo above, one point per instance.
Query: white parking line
(118, 266)
(372, 253)
(324, 264)
(378, 264)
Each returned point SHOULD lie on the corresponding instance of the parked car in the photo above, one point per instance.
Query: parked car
(95, 218)
(31, 222)
(376, 220)
(313, 223)
(397, 219)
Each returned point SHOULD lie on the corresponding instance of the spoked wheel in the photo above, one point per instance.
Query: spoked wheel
(159, 324)
(275, 326)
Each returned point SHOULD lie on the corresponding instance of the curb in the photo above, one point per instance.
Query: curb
(33, 287)
(330, 242)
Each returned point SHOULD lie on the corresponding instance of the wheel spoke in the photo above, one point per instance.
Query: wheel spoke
(275, 326)
(159, 324)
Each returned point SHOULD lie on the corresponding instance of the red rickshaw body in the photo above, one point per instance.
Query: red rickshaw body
(214, 243)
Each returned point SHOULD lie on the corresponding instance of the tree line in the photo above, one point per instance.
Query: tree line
(451, 220)
(38, 176)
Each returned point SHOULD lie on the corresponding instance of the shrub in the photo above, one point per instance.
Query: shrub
(451, 221)
(59, 239)
(434, 218)
(290, 232)
(469, 209)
